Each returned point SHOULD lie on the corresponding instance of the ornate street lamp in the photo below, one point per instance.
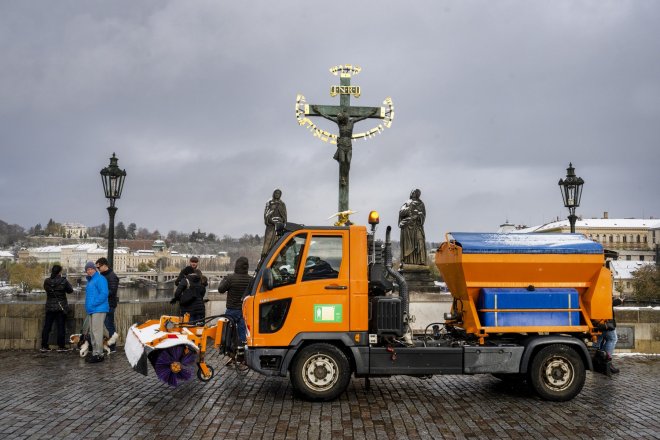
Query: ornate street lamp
(571, 191)
(113, 183)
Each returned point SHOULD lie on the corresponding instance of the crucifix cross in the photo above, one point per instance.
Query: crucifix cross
(345, 116)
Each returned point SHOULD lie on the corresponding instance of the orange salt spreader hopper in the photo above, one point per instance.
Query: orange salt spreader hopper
(525, 283)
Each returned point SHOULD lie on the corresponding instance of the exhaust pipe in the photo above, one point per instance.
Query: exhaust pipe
(403, 286)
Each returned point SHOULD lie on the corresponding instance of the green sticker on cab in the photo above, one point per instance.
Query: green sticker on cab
(327, 313)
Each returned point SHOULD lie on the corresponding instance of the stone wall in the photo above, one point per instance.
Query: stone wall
(21, 323)
(642, 324)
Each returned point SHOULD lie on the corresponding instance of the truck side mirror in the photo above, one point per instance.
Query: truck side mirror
(267, 280)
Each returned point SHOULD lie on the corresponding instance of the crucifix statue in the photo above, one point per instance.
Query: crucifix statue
(345, 116)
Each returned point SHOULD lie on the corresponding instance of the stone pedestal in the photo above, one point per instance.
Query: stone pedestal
(418, 278)
(161, 284)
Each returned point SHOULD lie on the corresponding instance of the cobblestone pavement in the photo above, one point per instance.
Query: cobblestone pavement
(55, 395)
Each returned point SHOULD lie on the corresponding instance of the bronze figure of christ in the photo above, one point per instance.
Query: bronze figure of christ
(345, 116)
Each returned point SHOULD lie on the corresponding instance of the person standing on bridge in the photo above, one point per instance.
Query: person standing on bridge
(56, 288)
(96, 306)
(192, 267)
(113, 299)
(608, 339)
(236, 285)
(190, 295)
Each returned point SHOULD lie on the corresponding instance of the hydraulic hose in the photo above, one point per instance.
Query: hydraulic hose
(403, 286)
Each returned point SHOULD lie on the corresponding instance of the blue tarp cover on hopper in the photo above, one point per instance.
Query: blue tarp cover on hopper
(495, 243)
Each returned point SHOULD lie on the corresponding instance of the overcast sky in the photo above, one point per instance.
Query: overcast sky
(493, 100)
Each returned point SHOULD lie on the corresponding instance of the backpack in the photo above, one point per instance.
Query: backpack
(229, 340)
(187, 296)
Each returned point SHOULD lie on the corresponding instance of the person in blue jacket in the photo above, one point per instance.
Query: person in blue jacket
(96, 305)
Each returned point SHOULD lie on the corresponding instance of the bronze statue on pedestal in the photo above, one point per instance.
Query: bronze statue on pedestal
(275, 212)
(411, 221)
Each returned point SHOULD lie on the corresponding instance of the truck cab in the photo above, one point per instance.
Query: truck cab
(312, 286)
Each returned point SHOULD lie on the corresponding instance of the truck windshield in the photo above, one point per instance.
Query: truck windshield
(285, 267)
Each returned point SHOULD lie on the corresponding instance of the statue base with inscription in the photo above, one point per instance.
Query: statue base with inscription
(418, 278)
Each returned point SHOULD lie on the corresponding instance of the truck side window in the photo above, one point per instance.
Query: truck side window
(285, 266)
(323, 258)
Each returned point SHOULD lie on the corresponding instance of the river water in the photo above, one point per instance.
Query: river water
(126, 294)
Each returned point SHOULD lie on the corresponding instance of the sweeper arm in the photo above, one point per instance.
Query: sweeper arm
(173, 346)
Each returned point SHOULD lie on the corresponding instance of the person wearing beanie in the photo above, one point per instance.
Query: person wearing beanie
(236, 286)
(96, 305)
(111, 277)
(56, 287)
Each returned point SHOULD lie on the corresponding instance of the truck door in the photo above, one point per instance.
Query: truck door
(310, 291)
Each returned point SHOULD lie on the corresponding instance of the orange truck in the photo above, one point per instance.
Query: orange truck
(327, 305)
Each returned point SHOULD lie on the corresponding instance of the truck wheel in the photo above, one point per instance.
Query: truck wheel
(320, 372)
(557, 373)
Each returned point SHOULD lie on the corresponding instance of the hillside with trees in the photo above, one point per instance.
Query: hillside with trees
(10, 234)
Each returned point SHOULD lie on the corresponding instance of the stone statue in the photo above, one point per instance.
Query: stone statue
(411, 221)
(275, 212)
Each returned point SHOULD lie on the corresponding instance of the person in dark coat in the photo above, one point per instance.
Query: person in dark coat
(113, 298)
(56, 287)
(318, 269)
(192, 267)
(236, 285)
(196, 308)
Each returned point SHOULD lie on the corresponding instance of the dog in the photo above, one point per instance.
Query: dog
(83, 342)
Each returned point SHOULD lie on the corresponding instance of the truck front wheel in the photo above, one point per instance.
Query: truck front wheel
(320, 372)
(557, 373)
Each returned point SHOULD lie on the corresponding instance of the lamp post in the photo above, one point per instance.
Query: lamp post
(113, 183)
(571, 191)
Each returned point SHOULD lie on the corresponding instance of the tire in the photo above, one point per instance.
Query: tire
(320, 372)
(200, 374)
(557, 373)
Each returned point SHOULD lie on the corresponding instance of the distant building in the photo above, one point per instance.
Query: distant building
(74, 257)
(134, 244)
(634, 239)
(7, 256)
(45, 254)
(507, 227)
(74, 230)
(71, 257)
(160, 256)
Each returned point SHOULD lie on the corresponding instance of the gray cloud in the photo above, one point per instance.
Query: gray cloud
(492, 102)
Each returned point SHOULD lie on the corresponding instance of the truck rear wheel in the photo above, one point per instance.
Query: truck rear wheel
(557, 373)
(320, 372)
